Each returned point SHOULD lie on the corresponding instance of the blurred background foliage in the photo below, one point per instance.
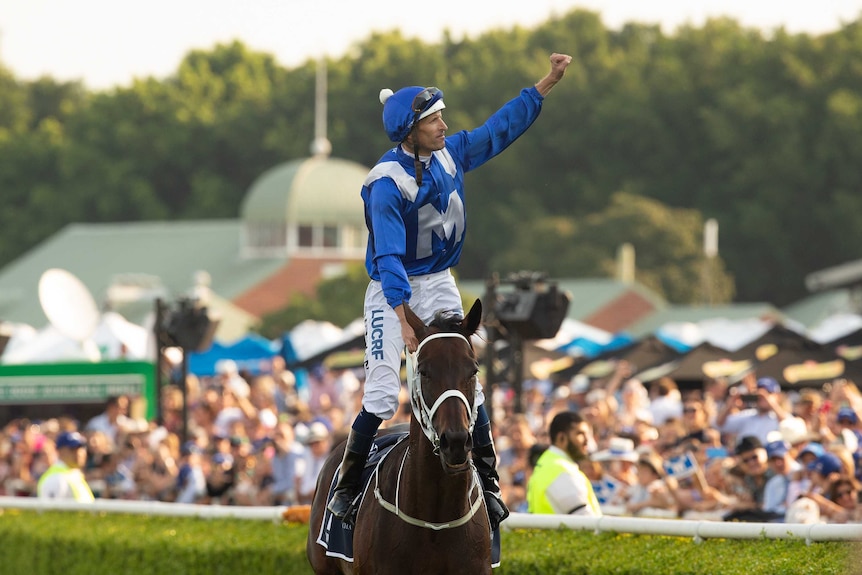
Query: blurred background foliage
(649, 135)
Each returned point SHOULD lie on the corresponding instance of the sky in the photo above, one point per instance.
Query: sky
(107, 43)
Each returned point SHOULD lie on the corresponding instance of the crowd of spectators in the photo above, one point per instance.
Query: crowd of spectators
(748, 451)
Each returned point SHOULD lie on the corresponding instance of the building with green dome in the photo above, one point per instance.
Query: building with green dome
(300, 221)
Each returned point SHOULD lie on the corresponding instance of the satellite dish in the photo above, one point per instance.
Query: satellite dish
(68, 304)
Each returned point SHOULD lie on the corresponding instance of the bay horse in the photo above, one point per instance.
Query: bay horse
(423, 509)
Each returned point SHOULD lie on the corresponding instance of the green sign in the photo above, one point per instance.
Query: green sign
(77, 383)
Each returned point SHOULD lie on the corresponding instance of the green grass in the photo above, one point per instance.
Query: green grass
(66, 543)
(579, 552)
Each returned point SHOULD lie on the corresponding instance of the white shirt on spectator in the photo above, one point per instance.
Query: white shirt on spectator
(103, 424)
(776, 492)
(225, 418)
(666, 407)
(751, 422)
(287, 467)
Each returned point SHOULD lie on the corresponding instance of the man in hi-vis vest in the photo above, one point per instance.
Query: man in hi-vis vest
(64, 479)
(558, 485)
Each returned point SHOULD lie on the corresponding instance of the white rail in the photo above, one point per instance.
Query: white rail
(698, 530)
(146, 508)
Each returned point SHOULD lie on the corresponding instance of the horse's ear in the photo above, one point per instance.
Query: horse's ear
(474, 318)
(419, 327)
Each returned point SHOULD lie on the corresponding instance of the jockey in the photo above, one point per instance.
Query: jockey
(415, 214)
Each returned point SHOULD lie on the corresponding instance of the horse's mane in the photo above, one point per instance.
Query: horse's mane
(446, 320)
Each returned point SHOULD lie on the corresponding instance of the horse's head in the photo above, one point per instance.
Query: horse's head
(444, 386)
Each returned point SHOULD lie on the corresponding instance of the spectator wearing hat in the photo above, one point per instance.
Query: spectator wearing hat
(810, 452)
(801, 482)
(796, 433)
(848, 419)
(191, 478)
(846, 430)
(619, 461)
(414, 202)
(776, 492)
(65, 478)
(823, 471)
(318, 444)
(757, 421)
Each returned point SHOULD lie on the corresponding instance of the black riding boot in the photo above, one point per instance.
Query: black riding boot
(350, 476)
(485, 460)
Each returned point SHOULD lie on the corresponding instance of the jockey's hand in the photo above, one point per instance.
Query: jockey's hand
(409, 337)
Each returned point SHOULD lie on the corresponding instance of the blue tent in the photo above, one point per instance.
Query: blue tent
(585, 347)
(253, 353)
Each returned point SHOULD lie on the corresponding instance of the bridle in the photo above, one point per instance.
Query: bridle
(424, 414)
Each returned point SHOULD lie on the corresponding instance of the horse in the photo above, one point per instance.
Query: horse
(423, 509)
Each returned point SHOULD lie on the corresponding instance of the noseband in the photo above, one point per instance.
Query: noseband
(424, 414)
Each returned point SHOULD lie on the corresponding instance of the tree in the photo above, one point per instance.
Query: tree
(760, 132)
(667, 243)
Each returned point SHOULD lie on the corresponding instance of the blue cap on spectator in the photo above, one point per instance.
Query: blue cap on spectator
(826, 464)
(777, 449)
(71, 439)
(769, 384)
(190, 447)
(847, 414)
(813, 448)
(220, 458)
